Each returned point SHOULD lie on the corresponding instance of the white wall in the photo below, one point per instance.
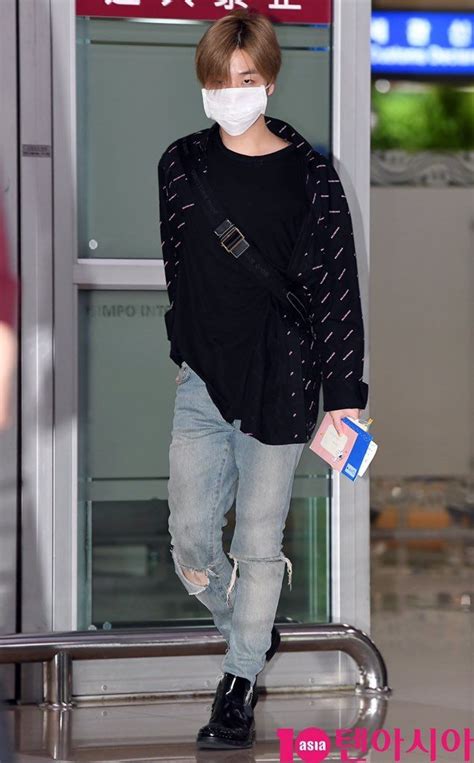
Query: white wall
(421, 330)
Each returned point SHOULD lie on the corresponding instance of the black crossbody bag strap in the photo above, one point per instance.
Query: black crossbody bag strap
(233, 241)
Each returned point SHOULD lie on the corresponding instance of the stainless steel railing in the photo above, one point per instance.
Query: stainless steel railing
(58, 650)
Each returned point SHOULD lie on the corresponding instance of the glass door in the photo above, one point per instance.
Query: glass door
(136, 88)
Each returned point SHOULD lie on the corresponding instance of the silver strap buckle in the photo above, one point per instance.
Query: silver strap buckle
(231, 238)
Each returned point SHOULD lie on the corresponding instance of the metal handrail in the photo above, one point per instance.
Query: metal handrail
(57, 650)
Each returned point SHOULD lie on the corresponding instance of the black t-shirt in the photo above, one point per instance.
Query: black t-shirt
(221, 308)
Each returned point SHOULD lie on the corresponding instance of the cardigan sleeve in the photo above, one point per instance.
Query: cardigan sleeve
(168, 242)
(9, 286)
(337, 304)
(171, 222)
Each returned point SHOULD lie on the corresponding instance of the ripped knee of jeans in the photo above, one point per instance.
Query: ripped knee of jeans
(195, 580)
(196, 577)
(281, 557)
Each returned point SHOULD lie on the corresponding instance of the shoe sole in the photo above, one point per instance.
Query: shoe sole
(219, 743)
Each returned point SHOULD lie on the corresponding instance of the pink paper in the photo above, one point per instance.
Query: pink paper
(331, 447)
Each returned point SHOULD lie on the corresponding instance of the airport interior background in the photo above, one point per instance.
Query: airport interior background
(420, 328)
(422, 516)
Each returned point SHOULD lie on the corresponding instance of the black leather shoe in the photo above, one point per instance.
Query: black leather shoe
(275, 643)
(231, 724)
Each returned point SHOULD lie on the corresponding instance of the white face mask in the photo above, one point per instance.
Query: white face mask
(235, 108)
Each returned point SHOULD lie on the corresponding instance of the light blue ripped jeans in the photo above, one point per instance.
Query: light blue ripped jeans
(211, 463)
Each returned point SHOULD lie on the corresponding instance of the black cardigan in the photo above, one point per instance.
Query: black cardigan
(326, 278)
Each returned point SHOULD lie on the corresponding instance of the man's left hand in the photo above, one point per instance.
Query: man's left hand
(338, 415)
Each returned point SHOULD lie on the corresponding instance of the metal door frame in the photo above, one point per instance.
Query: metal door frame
(9, 439)
(49, 355)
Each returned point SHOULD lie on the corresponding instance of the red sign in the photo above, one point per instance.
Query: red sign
(278, 11)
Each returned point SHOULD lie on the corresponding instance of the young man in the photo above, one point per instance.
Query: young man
(249, 370)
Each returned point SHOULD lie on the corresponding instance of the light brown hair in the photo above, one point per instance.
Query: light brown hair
(243, 28)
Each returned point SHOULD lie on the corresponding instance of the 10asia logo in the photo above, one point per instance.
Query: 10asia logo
(313, 744)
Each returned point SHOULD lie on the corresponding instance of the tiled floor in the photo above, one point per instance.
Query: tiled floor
(423, 623)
